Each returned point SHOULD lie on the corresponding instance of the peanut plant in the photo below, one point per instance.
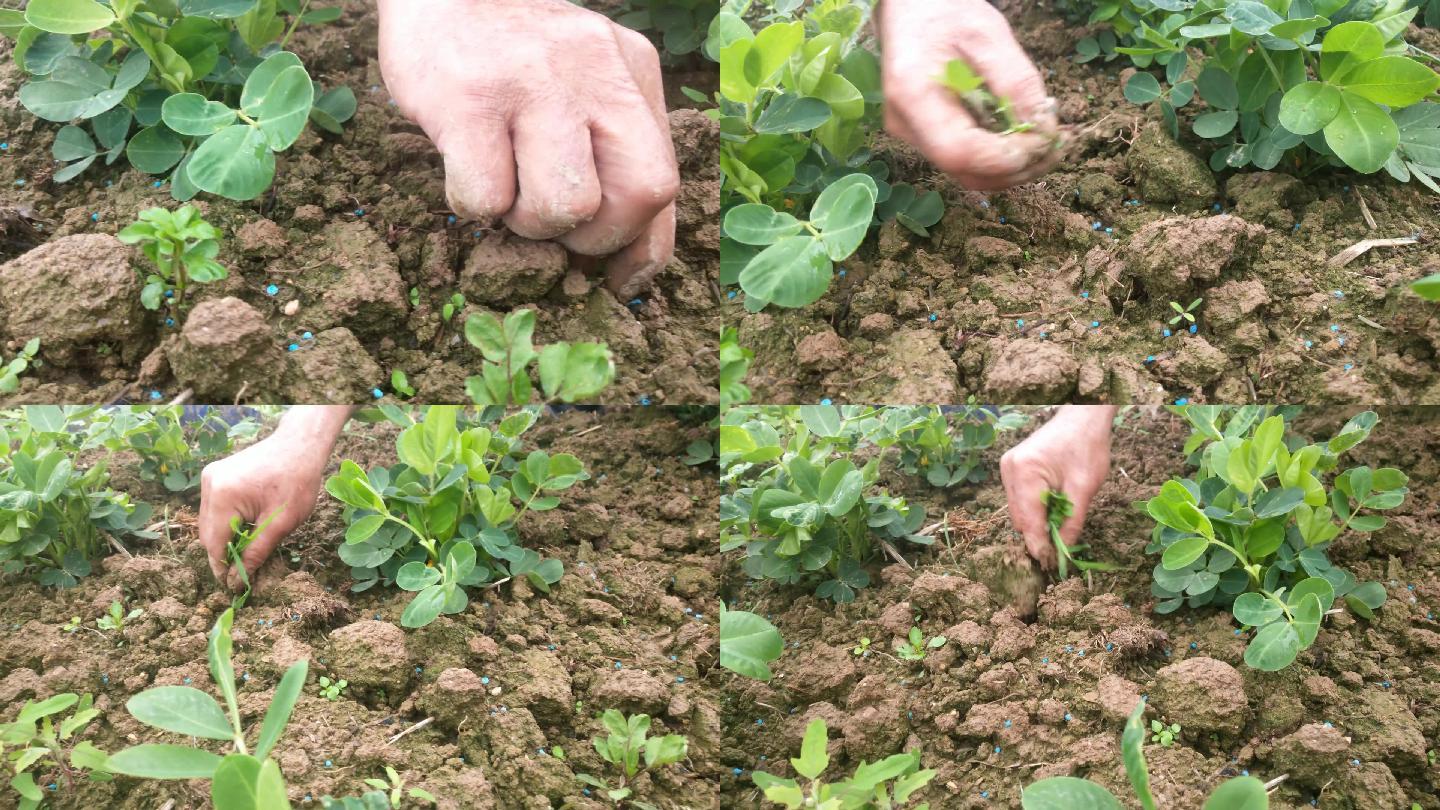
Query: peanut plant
(10, 372)
(630, 749)
(929, 445)
(42, 740)
(444, 519)
(1250, 532)
(569, 372)
(182, 246)
(205, 85)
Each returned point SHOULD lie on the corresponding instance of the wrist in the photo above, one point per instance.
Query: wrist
(309, 433)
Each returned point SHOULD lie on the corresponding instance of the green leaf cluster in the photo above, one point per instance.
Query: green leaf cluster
(914, 646)
(628, 746)
(990, 111)
(40, 738)
(569, 372)
(1250, 532)
(946, 444)
(444, 518)
(735, 363)
(182, 246)
(243, 779)
(1058, 509)
(205, 86)
(10, 372)
(881, 785)
(388, 794)
(1303, 83)
(116, 618)
(748, 643)
(54, 511)
(1069, 792)
(683, 25)
(795, 501)
(173, 448)
(798, 104)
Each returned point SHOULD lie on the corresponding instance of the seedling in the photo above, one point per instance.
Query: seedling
(888, 783)
(444, 519)
(39, 739)
(990, 111)
(241, 779)
(1186, 314)
(453, 307)
(72, 625)
(1251, 531)
(401, 384)
(388, 794)
(699, 452)
(914, 646)
(10, 372)
(748, 643)
(863, 648)
(947, 457)
(172, 450)
(235, 551)
(1163, 734)
(182, 246)
(568, 372)
(116, 618)
(1068, 792)
(1058, 508)
(798, 505)
(212, 94)
(799, 189)
(332, 690)
(735, 363)
(627, 746)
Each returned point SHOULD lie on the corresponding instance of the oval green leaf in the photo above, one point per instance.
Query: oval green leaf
(1394, 81)
(183, 710)
(235, 163)
(1274, 647)
(416, 576)
(1308, 107)
(1067, 793)
(1142, 88)
(68, 16)
(234, 784)
(164, 762)
(154, 150)
(793, 272)
(1242, 793)
(1361, 134)
(1216, 124)
(1183, 552)
(193, 114)
(282, 109)
(423, 609)
(1255, 610)
(759, 224)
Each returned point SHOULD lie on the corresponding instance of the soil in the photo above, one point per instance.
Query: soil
(352, 225)
(631, 625)
(1005, 702)
(1060, 291)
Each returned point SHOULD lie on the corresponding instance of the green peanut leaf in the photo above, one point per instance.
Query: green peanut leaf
(1218, 88)
(183, 710)
(68, 16)
(234, 163)
(1362, 134)
(791, 113)
(193, 114)
(270, 787)
(73, 143)
(759, 224)
(216, 9)
(282, 109)
(814, 758)
(1347, 45)
(56, 101)
(1241, 793)
(793, 272)
(154, 150)
(1216, 124)
(843, 212)
(1255, 610)
(1307, 614)
(570, 372)
(425, 607)
(1274, 647)
(1307, 108)
(1183, 552)
(334, 108)
(748, 643)
(1067, 793)
(1142, 88)
(1394, 81)
(233, 786)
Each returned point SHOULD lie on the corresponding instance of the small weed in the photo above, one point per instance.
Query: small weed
(1163, 734)
(863, 648)
(888, 783)
(182, 246)
(332, 690)
(914, 647)
(629, 747)
(10, 372)
(1186, 314)
(116, 619)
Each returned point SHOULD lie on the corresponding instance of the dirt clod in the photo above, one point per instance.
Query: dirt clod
(222, 347)
(505, 269)
(1208, 694)
(371, 655)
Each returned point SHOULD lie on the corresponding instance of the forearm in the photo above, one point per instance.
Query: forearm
(312, 430)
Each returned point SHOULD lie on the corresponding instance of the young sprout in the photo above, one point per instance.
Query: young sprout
(628, 746)
(388, 792)
(10, 372)
(72, 625)
(914, 647)
(1184, 313)
(863, 648)
(454, 305)
(332, 690)
(116, 618)
(401, 383)
(235, 550)
(182, 246)
(1058, 507)
(1163, 734)
(990, 111)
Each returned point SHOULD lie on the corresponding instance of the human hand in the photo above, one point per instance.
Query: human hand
(273, 483)
(549, 116)
(1069, 454)
(918, 38)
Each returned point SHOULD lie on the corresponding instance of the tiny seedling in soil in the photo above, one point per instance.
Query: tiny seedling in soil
(388, 794)
(182, 246)
(401, 383)
(235, 551)
(332, 690)
(1069, 792)
(39, 740)
(208, 83)
(914, 646)
(72, 625)
(454, 306)
(699, 452)
(1186, 314)
(627, 746)
(888, 783)
(116, 619)
(569, 372)
(1251, 531)
(990, 111)
(10, 372)
(1163, 734)
(748, 643)
(1058, 508)
(863, 648)
(244, 779)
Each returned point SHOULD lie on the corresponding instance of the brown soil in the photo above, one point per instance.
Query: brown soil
(1006, 702)
(352, 225)
(1018, 297)
(630, 626)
